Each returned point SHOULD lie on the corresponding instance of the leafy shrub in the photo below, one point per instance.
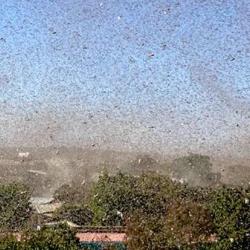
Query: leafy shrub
(70, 194)
(231, 216)
(188, 223)
(56, 238)
(78, 214)
(15, 207)
(185, 225)
(9, 242)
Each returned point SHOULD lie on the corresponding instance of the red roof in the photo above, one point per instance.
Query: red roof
(101, 237)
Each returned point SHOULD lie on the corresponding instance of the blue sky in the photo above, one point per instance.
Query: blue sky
(165, 76)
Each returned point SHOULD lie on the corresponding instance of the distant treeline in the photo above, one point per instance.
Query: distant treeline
(43, 176)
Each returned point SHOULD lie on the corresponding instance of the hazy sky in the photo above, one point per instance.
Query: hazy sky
(168, 76)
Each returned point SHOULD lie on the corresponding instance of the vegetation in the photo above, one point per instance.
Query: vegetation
(70, 193)
(183, 225)
(116, 197)
(223, 222)
(188, 222)
(231, 216)
(10, 242)
(15, 207)
(194, 169)
(146, 232)
(143, 164)
(157, 212)
(57, 238)
(78, 214)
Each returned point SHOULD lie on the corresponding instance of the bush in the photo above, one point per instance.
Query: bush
(78, 214)
(56, 238)
(15, 207)
(195, 170)
(146, 232)
(70, 194)
(231, 216)
(186, 225)
(9, 242)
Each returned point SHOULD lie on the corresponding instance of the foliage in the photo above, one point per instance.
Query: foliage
(9, 242)
(143, 164)
(194, 194)
(231, 215)
(188, 223)
(70, 194)
(116, 197)
(15, 206)
(56, 238)
(157, 212)
(78, 214)
(195, 169)
(146, 232)
(184, 226)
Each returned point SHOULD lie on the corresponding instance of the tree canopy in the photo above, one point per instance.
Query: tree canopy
(231, 215)
(194, 169)
(76, 213)
(15, 207)
(116, 197)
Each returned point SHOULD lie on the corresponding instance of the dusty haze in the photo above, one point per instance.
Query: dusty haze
(46, 169)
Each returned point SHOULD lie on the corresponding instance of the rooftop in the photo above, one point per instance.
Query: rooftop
(101, 237)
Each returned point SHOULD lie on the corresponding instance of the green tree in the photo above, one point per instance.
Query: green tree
(194, 194)
(188, 223)
(116, 197)
(15, 207)
(146, 232)
(59, 237)
(70, 193)
(56, 238)
(231, 215)
(194, 169)
(9, 242)
(78, 214)
(143, 164)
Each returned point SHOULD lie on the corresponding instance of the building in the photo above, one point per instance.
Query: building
(101, 238)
